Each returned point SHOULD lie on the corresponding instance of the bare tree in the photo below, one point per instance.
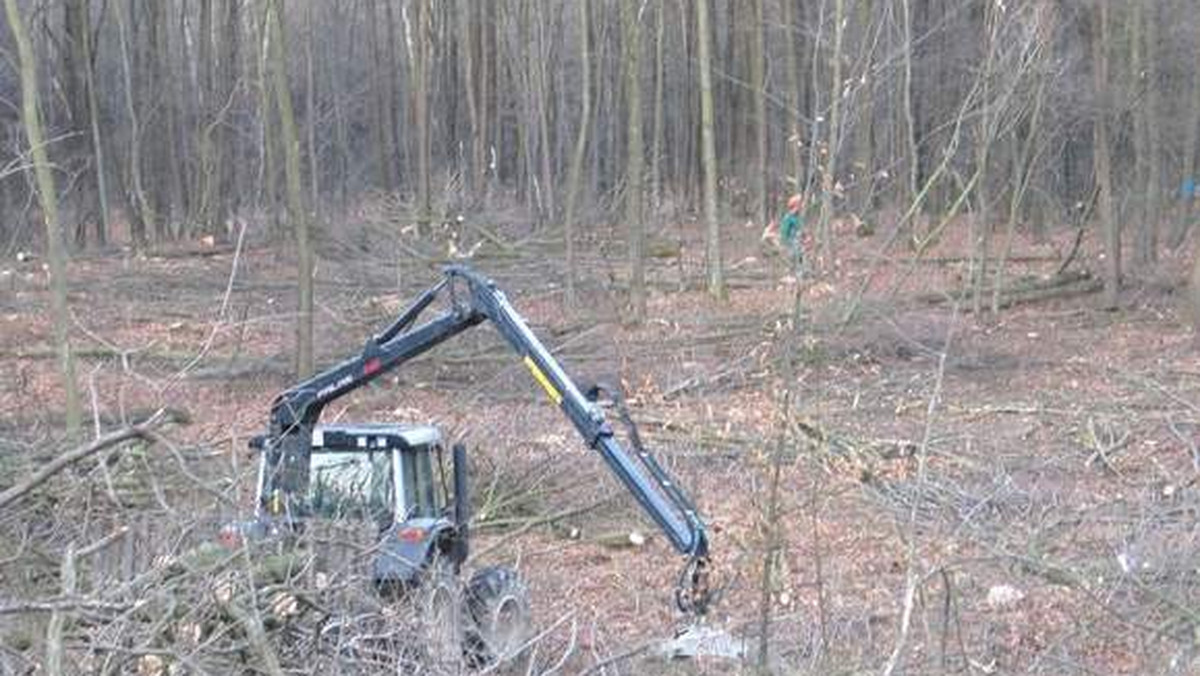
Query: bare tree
(656, 143)
(833, 136)
(792, 72)
(56, 252)
(1148, 136)
(1109, 226)
(716, 275)
(758, 81)
(634, 159)
(912, 150)
(421, 56)
(295, 194)
(581, 143)
(78, 70)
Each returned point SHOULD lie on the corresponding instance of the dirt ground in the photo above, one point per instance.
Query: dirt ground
(1011, 493)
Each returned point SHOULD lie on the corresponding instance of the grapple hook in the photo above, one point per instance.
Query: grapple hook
(693, 595)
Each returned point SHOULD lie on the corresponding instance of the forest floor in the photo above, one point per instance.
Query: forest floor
(1010, 493)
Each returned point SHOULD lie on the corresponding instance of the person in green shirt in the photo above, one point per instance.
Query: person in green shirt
(790, 227)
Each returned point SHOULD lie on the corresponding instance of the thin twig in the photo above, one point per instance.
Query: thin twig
(619, 657)
(913, 580)
(220, 320)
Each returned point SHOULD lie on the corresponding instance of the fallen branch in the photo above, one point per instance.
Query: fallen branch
(953, 260)
(1082, 287)
(196, 251)
(604, 664)
(1188, 444)
(705, 380)
(491, 236)
(255, 634)
(61, 604)
(44, 352)
(139, 431)
(620, 540)
(1103, 444)
(534, 523)
(1034, 291)
(1081, 218)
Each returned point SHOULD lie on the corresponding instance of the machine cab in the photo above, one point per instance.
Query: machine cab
(386, 473)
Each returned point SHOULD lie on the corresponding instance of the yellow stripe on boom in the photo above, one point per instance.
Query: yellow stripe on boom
(551, 391)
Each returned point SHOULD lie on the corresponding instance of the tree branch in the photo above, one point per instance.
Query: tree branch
(139, 431)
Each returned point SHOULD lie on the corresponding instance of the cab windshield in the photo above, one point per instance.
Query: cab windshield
(351, 485)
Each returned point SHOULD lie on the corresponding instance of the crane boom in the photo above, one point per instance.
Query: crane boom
(297, 410)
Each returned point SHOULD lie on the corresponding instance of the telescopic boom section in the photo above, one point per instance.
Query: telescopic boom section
(298, 409)
(300, 406)
(659, 496)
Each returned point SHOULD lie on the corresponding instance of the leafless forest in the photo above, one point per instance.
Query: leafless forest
(961, 437)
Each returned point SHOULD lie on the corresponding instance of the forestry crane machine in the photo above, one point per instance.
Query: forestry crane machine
(385, 472)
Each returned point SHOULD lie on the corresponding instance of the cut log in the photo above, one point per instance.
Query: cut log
(1027, 291)
(621, 540)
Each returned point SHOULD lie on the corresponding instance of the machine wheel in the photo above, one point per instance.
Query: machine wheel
(497, 604)
(442, 619)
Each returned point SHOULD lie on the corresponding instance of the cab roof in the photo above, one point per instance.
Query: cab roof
(374, 436)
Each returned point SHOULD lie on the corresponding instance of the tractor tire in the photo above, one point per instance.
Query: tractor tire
(500, 621)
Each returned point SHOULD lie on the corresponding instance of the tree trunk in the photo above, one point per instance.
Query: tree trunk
(581, 140)
(310, 96)
(269, 184)
(981, 224)
(910, 113)
(421, 113)
(795, 126)
(758, 81)
(542, 97)
(686, 165)
(833, 140)
(631, 37)
(183, 120)
(338, 101)
(206, 111)
(865, 126)
(1026, 150)
(295, 196)
(172, 156)
(716, 276)
(76, 64)
(143, 208)
(394, 112)
(656, 143)
(1110, 229)
(814, 108)
(1024, 162)
(1141, 82)
(469, 45)
(7, 227)
(228, 197)
(1148, 238)
(487, 93)
(728, 92)
(382, 127)
(1191, 140)
(97, 141)
(56, 252)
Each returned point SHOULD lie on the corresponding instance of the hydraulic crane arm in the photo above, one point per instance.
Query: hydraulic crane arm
(476, 299)
(301, 405)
